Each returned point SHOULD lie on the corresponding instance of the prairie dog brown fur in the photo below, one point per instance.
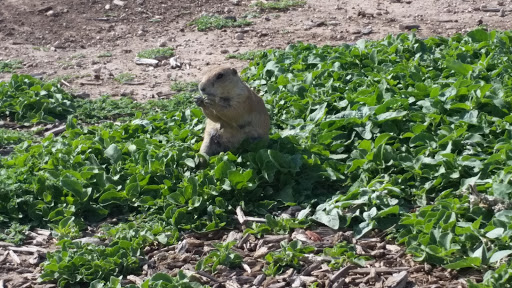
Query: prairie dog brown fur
(233, 110)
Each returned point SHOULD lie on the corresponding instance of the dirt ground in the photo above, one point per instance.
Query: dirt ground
(65, 38)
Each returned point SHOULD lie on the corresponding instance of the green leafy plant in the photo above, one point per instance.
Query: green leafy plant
(278, 5)
(10, 137)
(163, 52)
(26, 99)
(184, 86)
(222, 255)
(15, 234)
(105, 54)
(124, 77)
(343, 253)
(77, 263)
(207, 22)
(158, 280)
(287, 257)
(10, 65)
(274, 225)
(249, 55)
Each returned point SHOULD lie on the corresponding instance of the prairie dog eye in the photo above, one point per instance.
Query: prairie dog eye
(220, 75)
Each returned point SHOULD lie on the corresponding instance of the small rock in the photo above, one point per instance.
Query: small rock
(59, 45)
(224, 51)
(502, 12)
(239, 36)
(367, 30)
(267, 18)
(228, 10)
(107, 7)
(119, 3)
(230, 17)
(144, 61)
(235, 2)
(162, 43)
(51, 13)
(140, 2)
(408, 26)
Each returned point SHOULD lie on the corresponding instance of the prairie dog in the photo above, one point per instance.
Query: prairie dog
(233, 110)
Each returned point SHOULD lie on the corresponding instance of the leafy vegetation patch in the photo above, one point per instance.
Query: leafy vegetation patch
(10, 137)
(124, 77)
(28, 100)
(278, 5)
(105, 54)
(184, 86)
(163, 52)
(10, 65)
(208, 22)
(381, 136)
(249, 55)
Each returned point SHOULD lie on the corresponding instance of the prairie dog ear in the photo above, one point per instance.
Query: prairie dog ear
(234, 71)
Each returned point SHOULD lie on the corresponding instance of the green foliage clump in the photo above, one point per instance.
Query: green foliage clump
(249, 55)
(343, 253)
(10, 66)
(77, 263)
(159, 280)
(124, 77)
(25, 99)
(184, 86)
(222, 255)
(162, 52)
(278, 5)
(10, 137)
(208, 22)
(287, 257)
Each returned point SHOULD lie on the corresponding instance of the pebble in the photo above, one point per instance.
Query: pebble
(235, 2)
(51, 13)
(119, 3)
(239, 36)
(162, 43)
(228, 10)
(107, 7)
(502, 13)
(224, 51)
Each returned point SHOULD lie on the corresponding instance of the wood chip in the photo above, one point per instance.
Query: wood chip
(341, 273)
(133, 83)
(90, 83)
(135, 279)
(260, 253)
(397, 280)
(55, 131)
(364, 271)
(232, 284)
(145, 61)
(259, 280)
(14, 257)
(28, 249)
(6, 244)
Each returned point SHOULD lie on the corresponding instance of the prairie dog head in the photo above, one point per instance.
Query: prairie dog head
(223, 86)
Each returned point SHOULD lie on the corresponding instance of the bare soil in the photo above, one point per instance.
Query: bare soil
(64, 39)
(68, 42)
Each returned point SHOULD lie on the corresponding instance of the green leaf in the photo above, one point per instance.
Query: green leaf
(113, 153)
(469, 262)
(497, 256)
